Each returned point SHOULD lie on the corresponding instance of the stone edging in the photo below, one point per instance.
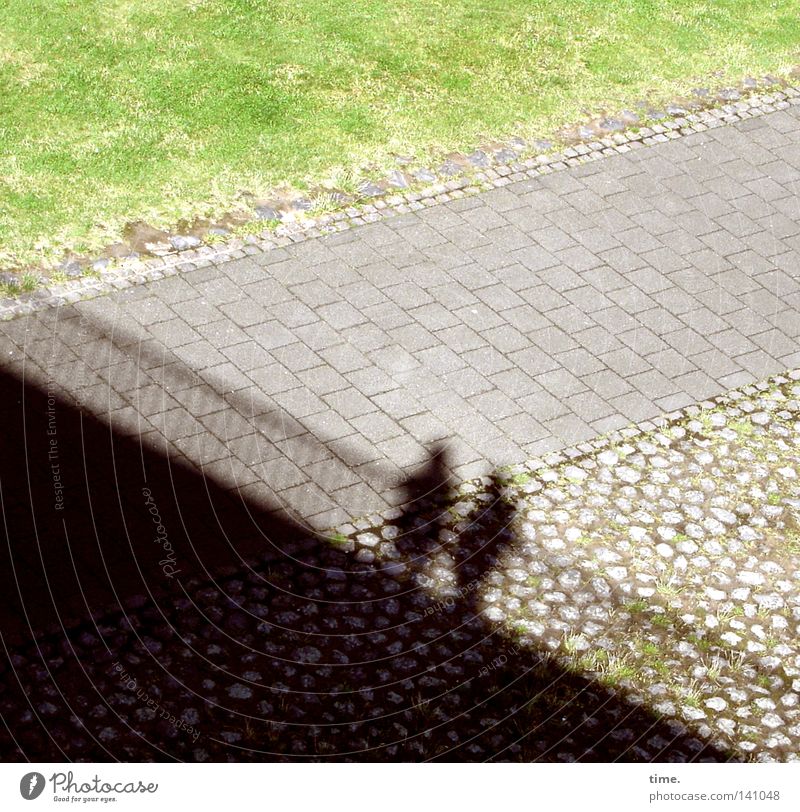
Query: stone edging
(507, 168)
(547, 464)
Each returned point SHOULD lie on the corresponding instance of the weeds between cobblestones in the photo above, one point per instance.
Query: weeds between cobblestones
(640, 601)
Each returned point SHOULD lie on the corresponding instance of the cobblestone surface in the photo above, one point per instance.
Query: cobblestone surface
(638, 603)
(314, 377)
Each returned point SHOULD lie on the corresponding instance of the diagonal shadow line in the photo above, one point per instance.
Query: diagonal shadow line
(289, 437)
(92, 570)
(420, 483)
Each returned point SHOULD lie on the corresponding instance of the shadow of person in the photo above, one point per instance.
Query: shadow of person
(150, 614)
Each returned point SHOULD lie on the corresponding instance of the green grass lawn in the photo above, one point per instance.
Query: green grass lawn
(112, 111)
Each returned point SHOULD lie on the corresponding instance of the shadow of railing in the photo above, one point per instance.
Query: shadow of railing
(121, 563)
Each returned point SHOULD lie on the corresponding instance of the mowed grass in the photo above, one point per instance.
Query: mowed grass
(114, 111)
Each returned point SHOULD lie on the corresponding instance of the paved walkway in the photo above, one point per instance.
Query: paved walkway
(504, 325)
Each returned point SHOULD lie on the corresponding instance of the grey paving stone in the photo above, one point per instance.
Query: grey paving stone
(625, 362)
(704, 321)
(635, 406)
(697, 384)
(686, 341)
(330, 475)
(404, 451)
(732, 343)
(366, 337)
(279, 474)
(757, 361)
(341, 315)
(226, 424)
(228, 377)
(521, 428)
(247, 356)
(323, 378)
(349, 403)
(359, 499)
(570, 429)
(579, 361)
(560, 382)
(299, 402)
(589, 406)
(296, 357)
(222, 333)
(607, 383)
(643, 339)
(426, 429)
(199, 355)
(587, 298)
(272, 378)
(715, 360)
(465, 382)
(328, 425)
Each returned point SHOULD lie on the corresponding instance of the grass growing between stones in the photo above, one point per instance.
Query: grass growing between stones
(670, 568)
(114, 112)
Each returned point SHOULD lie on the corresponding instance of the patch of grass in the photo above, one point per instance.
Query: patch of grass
(132, 109)
(29, 281)
(572, 642)
(650, 649)
(616, 669)
(58, 277)
(792, 542)
(701, 642)
(692, 694)
(736, 659)
(744, 428)
(592, 660)
(337, 539)
(423, 707)
(324, 204)
(668, 586)
(724, 615)
(517, 629)
(214, 239)
(661, 620)
(705, 421)
(635, 607)
(662, 669)
(251, 227)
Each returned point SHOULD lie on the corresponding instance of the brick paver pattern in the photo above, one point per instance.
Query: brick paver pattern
(504, 325)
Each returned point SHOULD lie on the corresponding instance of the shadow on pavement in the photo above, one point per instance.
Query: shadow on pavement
(149, 614)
